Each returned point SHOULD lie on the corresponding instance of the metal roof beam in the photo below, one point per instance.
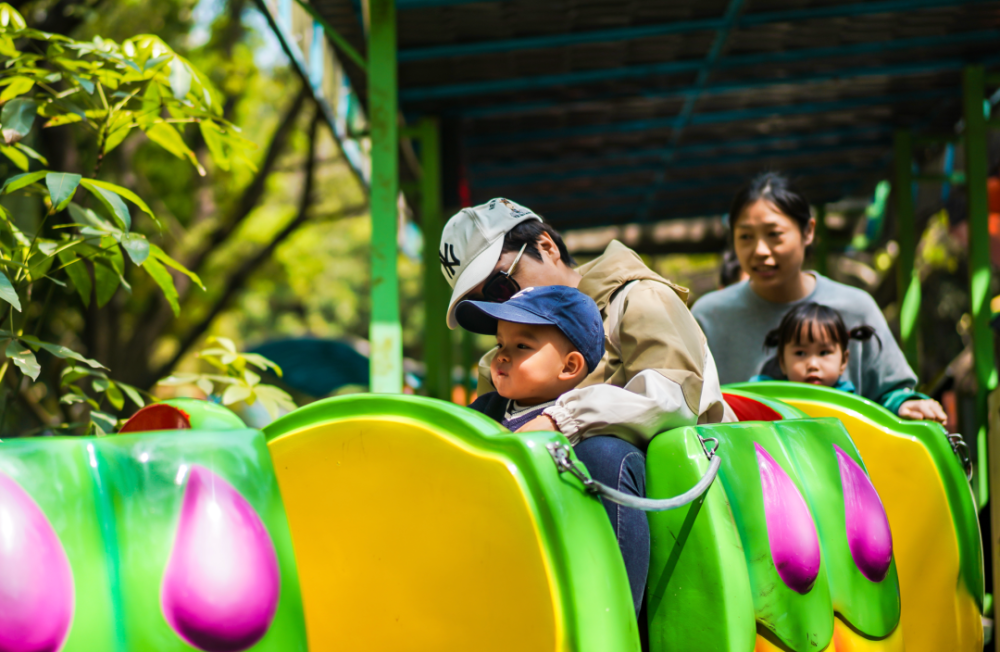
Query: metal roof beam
(899, 69)
(683, 185)
(648, 31)
(537, 82)
(687, 164)
(598, 217)
(708, 118)
(785, 140)
(684, 119)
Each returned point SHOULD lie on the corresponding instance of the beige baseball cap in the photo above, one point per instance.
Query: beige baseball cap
(471, 244)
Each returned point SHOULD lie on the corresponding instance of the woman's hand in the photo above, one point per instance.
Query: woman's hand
(923, 409)
(541, 422)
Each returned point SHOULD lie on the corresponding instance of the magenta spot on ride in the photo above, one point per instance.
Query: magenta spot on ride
(36, 581)
(221, 585)
(868, 533)
(791, 532)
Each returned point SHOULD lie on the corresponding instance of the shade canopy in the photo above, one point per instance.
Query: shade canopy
(597, 112)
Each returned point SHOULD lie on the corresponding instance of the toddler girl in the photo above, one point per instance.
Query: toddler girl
(812, 346)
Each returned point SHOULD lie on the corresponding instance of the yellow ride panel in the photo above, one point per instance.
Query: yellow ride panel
(406, 539)
(938, 613)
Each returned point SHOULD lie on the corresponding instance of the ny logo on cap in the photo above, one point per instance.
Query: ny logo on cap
(448, 259)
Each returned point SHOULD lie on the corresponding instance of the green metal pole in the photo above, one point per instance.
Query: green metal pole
(437, 336)
(386, 334)
(973, 84)
(907, 277)
(822, 241)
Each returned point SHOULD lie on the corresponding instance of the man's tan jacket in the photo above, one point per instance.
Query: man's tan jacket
(657, 372)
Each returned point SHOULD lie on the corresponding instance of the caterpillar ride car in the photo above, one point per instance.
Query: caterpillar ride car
(385, 523)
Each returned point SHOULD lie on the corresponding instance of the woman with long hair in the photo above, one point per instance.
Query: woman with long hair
(771, 226)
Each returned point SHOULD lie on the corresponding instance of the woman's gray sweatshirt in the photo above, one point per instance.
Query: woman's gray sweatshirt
(736, 320)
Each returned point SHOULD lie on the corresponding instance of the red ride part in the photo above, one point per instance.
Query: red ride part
(747, 409)
(158, 416)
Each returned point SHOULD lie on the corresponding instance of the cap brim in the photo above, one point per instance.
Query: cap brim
(477, 271)
(481, 316)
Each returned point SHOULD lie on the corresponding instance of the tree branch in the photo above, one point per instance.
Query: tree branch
(253, 192)
(158, 315)
(238, 280)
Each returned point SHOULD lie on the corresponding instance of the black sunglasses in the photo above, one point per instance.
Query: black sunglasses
(501, 286)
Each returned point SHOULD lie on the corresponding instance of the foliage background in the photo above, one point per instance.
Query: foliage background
(275, 263)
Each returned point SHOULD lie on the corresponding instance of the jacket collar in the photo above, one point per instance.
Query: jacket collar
(618, 265)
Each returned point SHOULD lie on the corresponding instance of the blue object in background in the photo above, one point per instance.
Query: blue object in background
(315, 366)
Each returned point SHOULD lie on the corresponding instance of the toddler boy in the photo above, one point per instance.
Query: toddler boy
(549, 339)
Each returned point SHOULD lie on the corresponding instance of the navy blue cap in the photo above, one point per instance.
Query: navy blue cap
(566, 308)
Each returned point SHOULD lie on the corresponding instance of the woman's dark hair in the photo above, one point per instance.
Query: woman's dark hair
(730, 272)
(776, 189)
(798, 323)
(527, 233)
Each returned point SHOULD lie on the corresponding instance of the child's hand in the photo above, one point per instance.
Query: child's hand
(923, 409)
(541, 422)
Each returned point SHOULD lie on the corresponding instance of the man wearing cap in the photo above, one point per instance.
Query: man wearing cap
(491, 251)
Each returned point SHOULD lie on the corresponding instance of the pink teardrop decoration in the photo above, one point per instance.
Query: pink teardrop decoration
(220, 588)
(868, 534)
(790, 528)
(36, 582)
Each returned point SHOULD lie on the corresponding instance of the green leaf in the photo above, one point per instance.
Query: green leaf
(180, 79)
(250, 377)
(18, 158)
(32, 153)
(205, 385)
(164, 135)
(115, 396)
(226, 343)
(19, 181)
(235, 393)
(261, 362)
(137, 247)
(23, 358)
(40, 262)
(275, 400)
(77, 272)
(8, 293)
(18, 116)
(104, 422)
(61, 187)
(121, 127)
(216, 144)
(10, 19)
(100, 385)
(60, 351)
(163, 278)
(19, 86)
(87, 217)
(161, 256)
(71, 399)
(124, 192)
(132, 393)
(7, 47)
(174, 380)
(112, 202)
(108, 274)
(71, 375)
(84, 83)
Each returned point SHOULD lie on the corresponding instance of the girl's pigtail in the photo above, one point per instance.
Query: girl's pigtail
(772, 339)
(864, 333)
